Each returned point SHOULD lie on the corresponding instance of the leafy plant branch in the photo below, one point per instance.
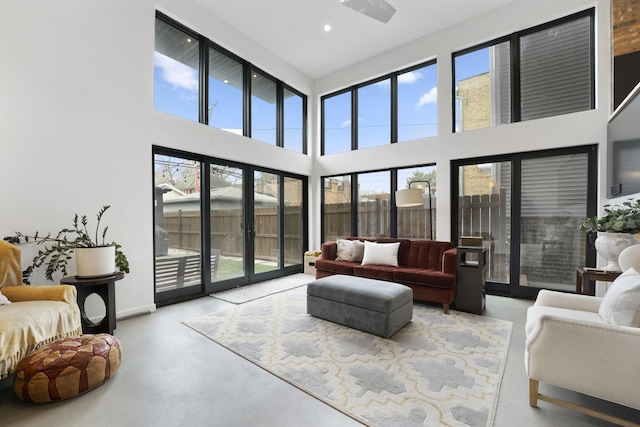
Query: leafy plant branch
(58, 249)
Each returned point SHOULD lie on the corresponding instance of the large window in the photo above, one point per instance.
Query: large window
(374, 196)
(235, 96)
(294, 108)
(395, 108)
(263, 108)
(336, 207)
(363, 204)
(544, 71)
(483, 87)
(175, 72)
(224, 109)
(220, 224)
(336, 119)
(527, 208)
(417, 103)
(374, 114)
(416, 222)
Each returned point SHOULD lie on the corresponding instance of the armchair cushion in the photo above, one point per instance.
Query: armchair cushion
(63, 293)
(38, 315)
(570, 345)
(4, 300)
(621, 304)
(10, 272)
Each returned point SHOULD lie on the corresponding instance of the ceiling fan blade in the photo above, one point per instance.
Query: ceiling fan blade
(376, 9)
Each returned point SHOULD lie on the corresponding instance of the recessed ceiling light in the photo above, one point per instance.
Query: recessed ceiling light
(327, 27)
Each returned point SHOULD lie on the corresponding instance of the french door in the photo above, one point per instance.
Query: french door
(528, 208)
(220, 225)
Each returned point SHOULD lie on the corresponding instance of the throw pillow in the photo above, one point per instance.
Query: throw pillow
(358, 251)
(380, 254)
(4, 300)
(621, 304)
(345, 250)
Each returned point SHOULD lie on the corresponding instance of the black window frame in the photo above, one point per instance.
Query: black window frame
(393, 211)
(203, 90)
(515, 66)
(393, 107)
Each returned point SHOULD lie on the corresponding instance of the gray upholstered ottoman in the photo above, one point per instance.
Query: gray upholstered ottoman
(374, 306)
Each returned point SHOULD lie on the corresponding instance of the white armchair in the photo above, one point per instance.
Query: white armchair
(570, 345)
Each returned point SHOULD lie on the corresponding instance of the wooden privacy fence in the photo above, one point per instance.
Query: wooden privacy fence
(485, 216)
(227, 232)
(374, 219)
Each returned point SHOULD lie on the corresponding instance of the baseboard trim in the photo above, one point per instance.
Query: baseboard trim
(135, 312)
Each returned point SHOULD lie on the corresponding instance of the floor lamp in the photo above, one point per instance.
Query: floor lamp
(410, 197)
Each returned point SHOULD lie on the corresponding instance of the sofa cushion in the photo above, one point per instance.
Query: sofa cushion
(621, 304)
(336, 267)
(381, 253)
(423, 276)
(380, 272)
(427, 254)
(349, 250)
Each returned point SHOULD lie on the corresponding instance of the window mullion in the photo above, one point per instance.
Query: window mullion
(203, 82)
(279, 114)
(394, 109)
(515, 79)
(246, 101)
(354, 119)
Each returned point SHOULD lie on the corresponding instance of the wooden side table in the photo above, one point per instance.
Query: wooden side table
(105, 288)
(584, 278)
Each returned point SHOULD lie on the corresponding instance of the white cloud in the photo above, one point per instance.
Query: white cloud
(410, 77)
(428, 97)
(345, 123)
(176, 73)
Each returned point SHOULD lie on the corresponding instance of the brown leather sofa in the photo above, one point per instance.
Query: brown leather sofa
(428, 267)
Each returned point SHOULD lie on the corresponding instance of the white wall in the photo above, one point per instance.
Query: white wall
(77, 121)
(582, 128)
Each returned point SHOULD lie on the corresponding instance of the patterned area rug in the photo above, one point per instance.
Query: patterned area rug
(439, 370)
(260, 290)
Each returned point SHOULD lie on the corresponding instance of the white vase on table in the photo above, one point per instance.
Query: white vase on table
(610, 245)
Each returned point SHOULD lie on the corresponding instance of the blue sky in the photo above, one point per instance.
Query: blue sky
(176, 92)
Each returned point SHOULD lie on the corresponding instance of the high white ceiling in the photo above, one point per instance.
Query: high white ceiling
(293, 29)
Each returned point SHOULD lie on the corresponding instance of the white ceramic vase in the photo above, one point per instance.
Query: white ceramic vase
(96, 262)
(609, 246)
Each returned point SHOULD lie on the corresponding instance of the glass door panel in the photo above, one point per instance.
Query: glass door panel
(553, 202)
(266, 222)
(221, 224)
(484, 210)
(227, 223)
(178, 225)
(293, 221)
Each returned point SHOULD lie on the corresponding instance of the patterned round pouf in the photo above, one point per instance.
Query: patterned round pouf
(67, 367)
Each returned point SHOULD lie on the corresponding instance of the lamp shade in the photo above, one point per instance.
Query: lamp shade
(409, 197)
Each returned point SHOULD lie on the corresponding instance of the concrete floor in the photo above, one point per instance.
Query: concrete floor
(173, 376)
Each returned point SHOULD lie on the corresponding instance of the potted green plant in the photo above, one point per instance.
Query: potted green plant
(623, 218)
(616, 230)
(94, 255)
